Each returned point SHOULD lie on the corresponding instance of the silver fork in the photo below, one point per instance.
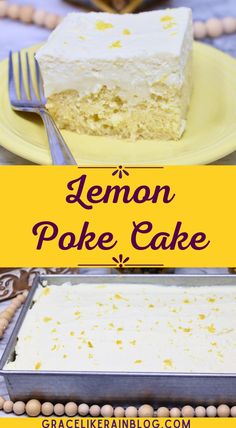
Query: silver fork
(35, 102)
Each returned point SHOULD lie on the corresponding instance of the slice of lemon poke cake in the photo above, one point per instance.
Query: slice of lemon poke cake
(128, 76)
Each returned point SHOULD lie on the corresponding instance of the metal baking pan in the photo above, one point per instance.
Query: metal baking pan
(120, 387)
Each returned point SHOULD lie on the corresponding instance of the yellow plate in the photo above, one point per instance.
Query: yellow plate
(210, 135)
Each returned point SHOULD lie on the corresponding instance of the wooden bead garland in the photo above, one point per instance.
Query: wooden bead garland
(34, 408)
(9, 313)
(27, 14)
(214, 27)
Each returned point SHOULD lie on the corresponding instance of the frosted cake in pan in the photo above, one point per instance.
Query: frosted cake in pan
(127, 75)
(136, 328)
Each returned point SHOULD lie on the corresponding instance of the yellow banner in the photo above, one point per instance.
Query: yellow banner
(117, 423)
(118, 216)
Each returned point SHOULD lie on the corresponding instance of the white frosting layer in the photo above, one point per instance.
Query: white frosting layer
(130, 52)
(129, 328)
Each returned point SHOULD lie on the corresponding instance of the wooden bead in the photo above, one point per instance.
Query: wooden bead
(13, 11)
(145, 411)
(8, 406)
(119, 412)
(16, 303)
(2, 401)
(223, 411)
(214, 27)
(26, 14)
(107, 411)
(94, 410)
(6, 315)
(131, 412)
(187, 412)
(13, 307)
(25, 294)
(39, 16)
(59, 409)
(229, 25)
(60, 19)
(33, 408)
(10, 311)
(51, 21)
(83, 409)
(200, 412)
(3, 9)
(163, 412)
(3, 323)
(175, 412)
(233, 412)
(47, 409)
(211, 411)
(200, 30)
(21, 298)
(19, 408)
(71, 409)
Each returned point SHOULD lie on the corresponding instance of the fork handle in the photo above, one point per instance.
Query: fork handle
(60, 153)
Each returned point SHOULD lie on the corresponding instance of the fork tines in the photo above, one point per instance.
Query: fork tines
(24, 82)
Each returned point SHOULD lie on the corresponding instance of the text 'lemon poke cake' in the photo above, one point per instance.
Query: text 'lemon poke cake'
(129, 327)
(127, 75)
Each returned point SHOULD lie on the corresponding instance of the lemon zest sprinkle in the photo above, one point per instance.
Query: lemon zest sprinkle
(38, 366)
(116, 44)
(47, 319)
(168, 362)
(102, 25)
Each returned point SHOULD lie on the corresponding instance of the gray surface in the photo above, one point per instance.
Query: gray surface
(119, 388)
(14, 36)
